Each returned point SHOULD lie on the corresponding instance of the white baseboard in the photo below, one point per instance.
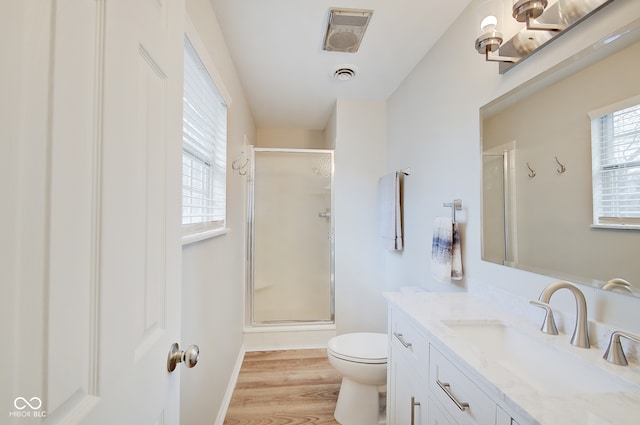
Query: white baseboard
(287, 339)
(222, 413)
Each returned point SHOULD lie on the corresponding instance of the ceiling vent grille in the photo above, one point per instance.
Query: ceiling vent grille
(344, 74)
(345, 29)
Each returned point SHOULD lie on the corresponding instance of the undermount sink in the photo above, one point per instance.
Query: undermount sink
(542, 366)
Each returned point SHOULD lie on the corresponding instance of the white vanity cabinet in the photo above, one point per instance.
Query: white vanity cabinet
(503, 418)
(476, 363)
(408, 370)
(436, 415)
(426, 387)
(457, 394)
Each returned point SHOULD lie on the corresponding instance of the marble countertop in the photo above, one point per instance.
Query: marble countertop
(523, 400)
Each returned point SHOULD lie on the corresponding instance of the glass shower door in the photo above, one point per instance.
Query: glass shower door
(493, 208)
(291, 279)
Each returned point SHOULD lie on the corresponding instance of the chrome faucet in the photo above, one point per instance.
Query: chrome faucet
(614, 353)
(580, 337)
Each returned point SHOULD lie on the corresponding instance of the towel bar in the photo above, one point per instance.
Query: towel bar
(456, 205)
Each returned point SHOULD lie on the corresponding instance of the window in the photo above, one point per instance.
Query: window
(204, 148)
(615, 139)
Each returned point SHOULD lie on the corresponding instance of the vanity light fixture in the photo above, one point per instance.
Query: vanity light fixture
(491, 40)
(539, 17)
(528, 10)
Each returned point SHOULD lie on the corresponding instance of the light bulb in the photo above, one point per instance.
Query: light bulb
(489, 24)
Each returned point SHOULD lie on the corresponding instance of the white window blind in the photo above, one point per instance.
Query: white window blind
(204, 147)
(616, 165)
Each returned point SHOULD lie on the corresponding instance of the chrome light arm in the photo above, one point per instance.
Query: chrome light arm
(528, 10)
(490, 42)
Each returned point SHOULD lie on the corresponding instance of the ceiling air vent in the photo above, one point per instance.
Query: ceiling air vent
(344, 74)
(345, 29)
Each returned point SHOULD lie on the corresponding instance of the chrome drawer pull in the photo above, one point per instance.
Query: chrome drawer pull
(446, 388)
(414, 403)
(401, 339)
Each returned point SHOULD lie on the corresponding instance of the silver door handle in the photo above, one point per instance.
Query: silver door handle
(447, 389)
(189, 356)
(414, 403)
(401, 339)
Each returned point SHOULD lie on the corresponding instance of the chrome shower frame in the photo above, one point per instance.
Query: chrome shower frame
(250, 320)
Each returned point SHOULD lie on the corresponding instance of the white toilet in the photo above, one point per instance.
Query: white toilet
(361, 359)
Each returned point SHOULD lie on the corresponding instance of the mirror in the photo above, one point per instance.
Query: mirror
(537, 173)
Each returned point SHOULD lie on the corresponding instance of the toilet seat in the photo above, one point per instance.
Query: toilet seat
(368, 348)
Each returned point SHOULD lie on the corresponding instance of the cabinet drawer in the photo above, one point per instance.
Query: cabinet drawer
(503, 418)
(407, 338)
(459, 396)
(436, 415)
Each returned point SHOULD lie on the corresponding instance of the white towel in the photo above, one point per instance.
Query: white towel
(390, 212)
(446, 258)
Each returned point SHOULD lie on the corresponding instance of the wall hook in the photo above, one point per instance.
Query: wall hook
(235, 165)
(532, 172)
(241, 169)
(560, 169)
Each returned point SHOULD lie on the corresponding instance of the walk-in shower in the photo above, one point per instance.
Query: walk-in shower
(290, 247)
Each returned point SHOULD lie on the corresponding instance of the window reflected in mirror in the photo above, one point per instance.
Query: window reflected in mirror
(615, 155)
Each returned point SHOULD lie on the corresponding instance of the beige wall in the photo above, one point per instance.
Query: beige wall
(554, 207)
(359, 162)
(294, 138)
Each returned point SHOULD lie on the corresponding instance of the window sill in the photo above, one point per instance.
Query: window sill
(206, 234)
(616, 226)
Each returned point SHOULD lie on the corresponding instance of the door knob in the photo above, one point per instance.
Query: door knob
(189, 356)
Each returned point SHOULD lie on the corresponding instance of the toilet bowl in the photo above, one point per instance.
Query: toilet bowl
(361, 359)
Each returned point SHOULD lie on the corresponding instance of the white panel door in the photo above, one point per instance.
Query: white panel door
(92, 228)
(140, 250)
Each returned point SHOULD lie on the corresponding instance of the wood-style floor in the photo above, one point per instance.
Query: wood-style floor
(284, 387)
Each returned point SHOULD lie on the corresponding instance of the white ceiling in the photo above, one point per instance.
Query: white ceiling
(277, 49)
